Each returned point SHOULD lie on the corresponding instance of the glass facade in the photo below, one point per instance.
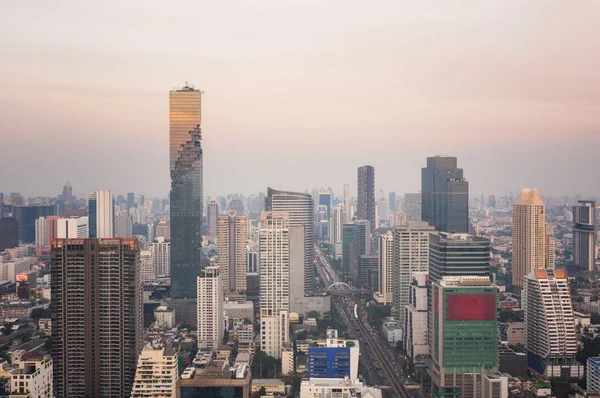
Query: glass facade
(444, 195)
(186, 191)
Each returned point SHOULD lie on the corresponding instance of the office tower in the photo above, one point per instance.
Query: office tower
(529, 236)
(347, 203)
(410, 254)
(67, 194)
(26, 216)
(383, 211)
(444, 195)
(458, 255)
(366, 195)
(97, 316)
(212, 218)
(237, 205)
(337, 222)
(275, 280)
(333, 358)
(415, 320)
(211, 326)
(186, 190)
(124, 226)
(33, 378)
(550, 339)
(325, 198)
(299, 206)
(261, 201)
(8, 233)
(71, 228)
(156, 374)
(150, 231)
(322, 223)
(361, 245)
(392, 200)
(411, 206)
(463, 333)
(584, 235)
(385, 246)
(347, 236)
(593, 374)
(232, 252)
(101, 210)
(147, 270)
(163, 229)
(161, 256)
(130, 200)
(368, 264)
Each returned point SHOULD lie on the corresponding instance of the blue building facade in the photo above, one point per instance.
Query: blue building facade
(328, 362)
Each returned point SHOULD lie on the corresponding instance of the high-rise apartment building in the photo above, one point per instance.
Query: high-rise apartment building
(156, 374)
(385, 246)
(299, 207)
(584, 235)
(415, 320)
(361, 245)
(46, 229)
(252, 262)
(530, 243)
(33, 378)
(458, 255)
(123, 225)
(161, 256)
(212, 216)
(593, 374)
(411, 206)
(163, 229)
(70, 228)
(233, 229)
(550, 338)
(186, 190)
(101, 214)
(366, 195)
(275, 280)
(97, 316)
(336, 223)
(463, 333)
(347, 203)
(444, 195)
(410, 254)
(211, 325)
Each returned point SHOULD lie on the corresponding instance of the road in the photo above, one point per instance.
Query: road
(369, 345)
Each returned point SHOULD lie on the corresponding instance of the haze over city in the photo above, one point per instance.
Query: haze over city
(298, 94)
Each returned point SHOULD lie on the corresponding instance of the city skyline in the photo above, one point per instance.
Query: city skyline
(418, 92)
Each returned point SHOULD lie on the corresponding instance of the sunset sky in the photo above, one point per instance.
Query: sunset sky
(298, 94)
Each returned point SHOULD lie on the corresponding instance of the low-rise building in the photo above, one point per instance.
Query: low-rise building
(215, 379)
(392, 332)
(164, 316)
(287, 358)
(272, 386)
(310, 388)
(156, 374)
(33, 378)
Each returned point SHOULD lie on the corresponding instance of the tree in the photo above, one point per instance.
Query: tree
(38, 313)
(313, 314)
(265, 366)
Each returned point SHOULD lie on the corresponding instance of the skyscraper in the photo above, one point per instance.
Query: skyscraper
(444, 195)
(299, 206)
(130, 200)
(366, 195)
(463, 334)
(361, 245)
(123, 225)
(97, 316)
(347, 256)
(101, 213)
(347, 203)
(550, 339)
(337, 222)
(385, 245)
(584, 235)
(26, 216)
(212, 214)
(392, 200)
(233, 229)
(458, 255)
(161, 256)
(411, 206)
(529, 236)
(186, 190)
(410, 254)
(67, 194)
(275, 280)
(211, 325)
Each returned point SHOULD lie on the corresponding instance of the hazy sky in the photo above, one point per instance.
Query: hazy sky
(300, 93)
